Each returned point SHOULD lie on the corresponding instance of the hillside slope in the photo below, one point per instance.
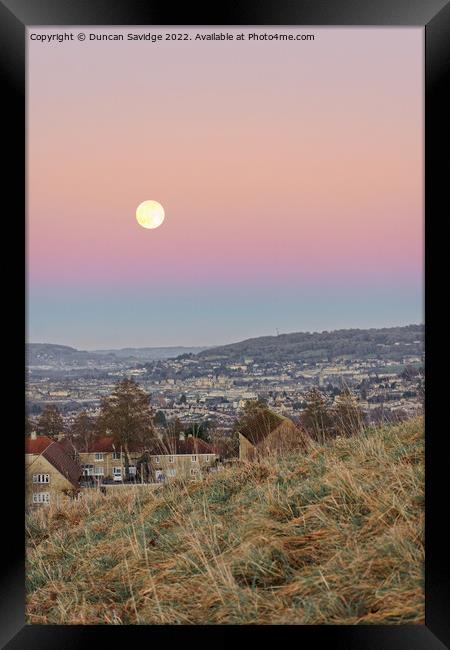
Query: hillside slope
(389, 342)
(332, 537)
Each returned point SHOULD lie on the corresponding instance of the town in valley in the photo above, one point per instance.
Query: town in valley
(214, 384)
(197, 395)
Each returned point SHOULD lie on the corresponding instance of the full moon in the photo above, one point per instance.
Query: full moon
(150, 214)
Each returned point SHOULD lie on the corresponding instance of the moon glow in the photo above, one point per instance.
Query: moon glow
(150, 214)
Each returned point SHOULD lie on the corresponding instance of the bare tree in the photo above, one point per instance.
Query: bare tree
(347, 414)
(83, 427)
(317, 419)
(50, 422)
(174, 428)
(127, 414)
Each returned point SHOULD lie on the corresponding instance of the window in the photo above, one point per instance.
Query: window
(117, 471)
(170, 459)
(99, 456)
(41, 478)
(88, 470)
(116, 455)
(99, 470)
(41, 497)
(171, 472)
(132, 470)
(207, 458)
(156, 459)
(194, 471)
(193, 459)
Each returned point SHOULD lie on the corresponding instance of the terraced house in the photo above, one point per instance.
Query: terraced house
(158, 461)
(104, 459)
(51, 474)
(180, 458)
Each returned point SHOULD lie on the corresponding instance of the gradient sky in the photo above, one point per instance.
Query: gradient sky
(291, 174)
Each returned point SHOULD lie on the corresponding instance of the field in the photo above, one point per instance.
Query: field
(334, 536)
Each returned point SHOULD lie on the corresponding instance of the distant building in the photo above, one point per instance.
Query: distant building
(50, 473)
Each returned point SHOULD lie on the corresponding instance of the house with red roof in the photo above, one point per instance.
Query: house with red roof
(51, 474)
(156, 461)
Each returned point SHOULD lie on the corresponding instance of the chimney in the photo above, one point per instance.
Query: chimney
(33, 435)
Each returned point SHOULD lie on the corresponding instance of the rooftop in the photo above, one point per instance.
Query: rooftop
(56, 455)
(37, 445)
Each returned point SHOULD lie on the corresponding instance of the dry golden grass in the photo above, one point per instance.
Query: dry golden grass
(334, 536)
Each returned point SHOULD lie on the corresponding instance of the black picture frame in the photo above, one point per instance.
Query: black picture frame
(15, 16)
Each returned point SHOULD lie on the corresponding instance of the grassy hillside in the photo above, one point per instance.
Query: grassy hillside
(333, 537)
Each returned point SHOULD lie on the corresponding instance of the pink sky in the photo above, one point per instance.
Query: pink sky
(278, 163)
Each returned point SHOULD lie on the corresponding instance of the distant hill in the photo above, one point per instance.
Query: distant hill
(389, 342)
(150, 354)
(43, 354)
(49, 354)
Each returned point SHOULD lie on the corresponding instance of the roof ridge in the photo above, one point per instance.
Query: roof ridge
(65, 465)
